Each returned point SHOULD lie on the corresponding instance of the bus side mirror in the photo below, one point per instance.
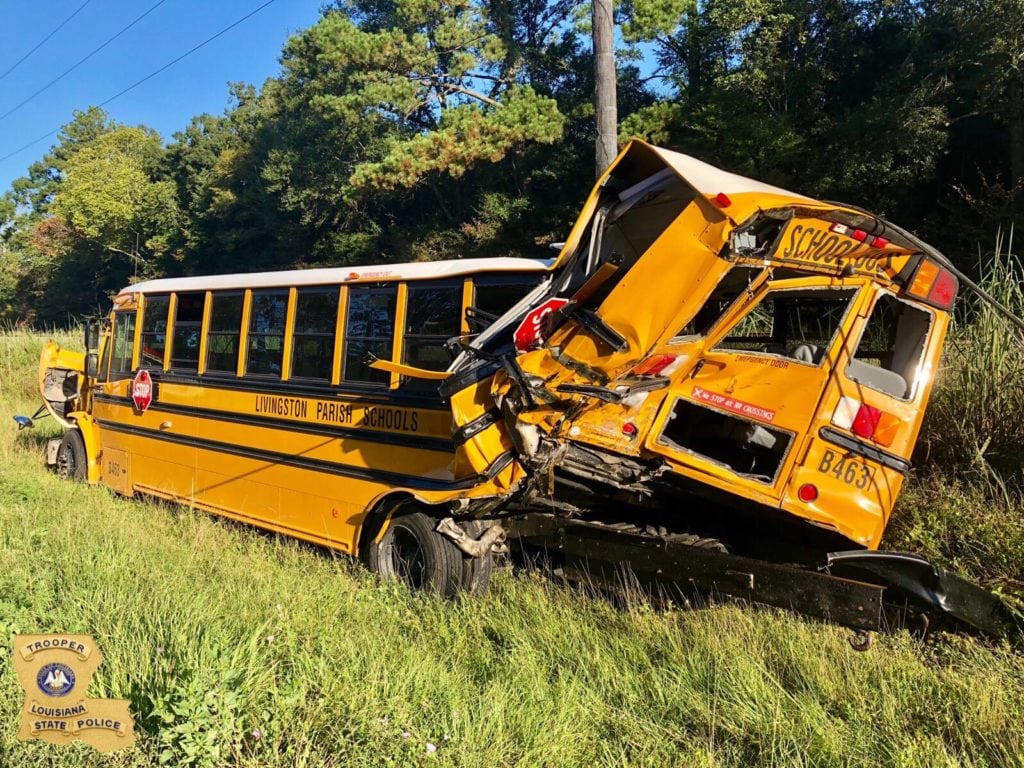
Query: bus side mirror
(92, 336)
(92, 348)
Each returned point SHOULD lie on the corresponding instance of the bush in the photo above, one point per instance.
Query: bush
(974, 427)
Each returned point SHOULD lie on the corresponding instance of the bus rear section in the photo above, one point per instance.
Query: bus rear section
(728, 367)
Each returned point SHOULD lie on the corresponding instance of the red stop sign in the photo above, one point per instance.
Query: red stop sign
(530, 332)
(142, 389)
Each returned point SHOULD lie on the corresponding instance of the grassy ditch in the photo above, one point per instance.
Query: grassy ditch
(237, 648)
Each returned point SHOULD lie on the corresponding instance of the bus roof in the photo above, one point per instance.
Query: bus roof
(709, 180)
(421, 270)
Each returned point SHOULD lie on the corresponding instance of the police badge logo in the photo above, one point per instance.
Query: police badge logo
(55, 671)
(56, 679)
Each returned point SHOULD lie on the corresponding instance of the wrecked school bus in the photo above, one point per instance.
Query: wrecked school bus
(715, 387)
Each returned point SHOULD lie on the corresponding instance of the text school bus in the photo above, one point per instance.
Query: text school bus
(718, 383)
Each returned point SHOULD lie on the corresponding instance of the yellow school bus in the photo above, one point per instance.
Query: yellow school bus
(252, 395)
(717, 382)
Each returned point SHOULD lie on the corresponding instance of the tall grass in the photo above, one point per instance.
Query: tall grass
(974, 428)
(237, 648)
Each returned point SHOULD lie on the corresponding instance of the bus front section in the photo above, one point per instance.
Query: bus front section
(721, 387)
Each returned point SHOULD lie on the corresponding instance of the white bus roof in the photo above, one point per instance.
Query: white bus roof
(421, 270)
(709, 180)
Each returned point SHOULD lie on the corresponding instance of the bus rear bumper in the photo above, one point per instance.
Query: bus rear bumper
(863, 590)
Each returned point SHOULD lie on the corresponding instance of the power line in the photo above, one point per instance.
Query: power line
(151, 75)
(189, 52)
(42, 42)
(81, 61)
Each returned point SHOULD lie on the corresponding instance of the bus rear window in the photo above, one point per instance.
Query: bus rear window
(889, 354)
(154, 331)
(266, 333)
(369, 330)
(800, 324)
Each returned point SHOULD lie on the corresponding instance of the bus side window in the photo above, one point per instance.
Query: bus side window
(369, 329)
(225, 328)
(266, 332)
(154, 331)
(188, 323)
(496, 295)
(121, 344)
(888, 356)
(736, 281)
(316, 317)
(431, 318)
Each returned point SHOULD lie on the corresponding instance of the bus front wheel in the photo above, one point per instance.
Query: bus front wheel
(414, 553)
(71, 457)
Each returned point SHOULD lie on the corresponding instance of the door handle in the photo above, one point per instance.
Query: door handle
(716, 367)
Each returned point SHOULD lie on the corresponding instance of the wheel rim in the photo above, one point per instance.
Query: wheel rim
(66, 462)
(408, 560)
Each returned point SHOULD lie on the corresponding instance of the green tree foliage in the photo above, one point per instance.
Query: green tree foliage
(111, 196)
(381, 107)
(424, 129)
(430, 79)
(39, 281)
(233, 219)
(34, 192)
(829, 96)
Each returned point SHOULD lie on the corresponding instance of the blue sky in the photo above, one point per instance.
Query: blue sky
(198, 84)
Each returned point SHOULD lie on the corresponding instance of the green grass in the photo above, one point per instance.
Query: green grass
(974, 426)
(236, 648)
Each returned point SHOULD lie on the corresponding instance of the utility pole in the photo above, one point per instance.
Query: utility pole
(605, 108)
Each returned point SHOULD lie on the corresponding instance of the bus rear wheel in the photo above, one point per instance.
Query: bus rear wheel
(412, 552)
(71, 457)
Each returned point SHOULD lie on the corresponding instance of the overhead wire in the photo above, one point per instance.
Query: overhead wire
(42, 42)
(189, 52)
(151, 75)
(82, 60)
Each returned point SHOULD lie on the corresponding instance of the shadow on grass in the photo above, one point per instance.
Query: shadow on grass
(33, 440)
(622, 590)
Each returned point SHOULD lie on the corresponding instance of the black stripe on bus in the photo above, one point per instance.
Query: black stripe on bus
(319, 465)
(343, 433)
(474, 427)
(299, 389)
(852, 444)
(476, 372)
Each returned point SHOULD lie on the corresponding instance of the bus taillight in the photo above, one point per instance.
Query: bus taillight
(866, 421)
(933, 285)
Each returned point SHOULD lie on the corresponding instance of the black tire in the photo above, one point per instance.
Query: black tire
(414, 553)
(72, 462)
